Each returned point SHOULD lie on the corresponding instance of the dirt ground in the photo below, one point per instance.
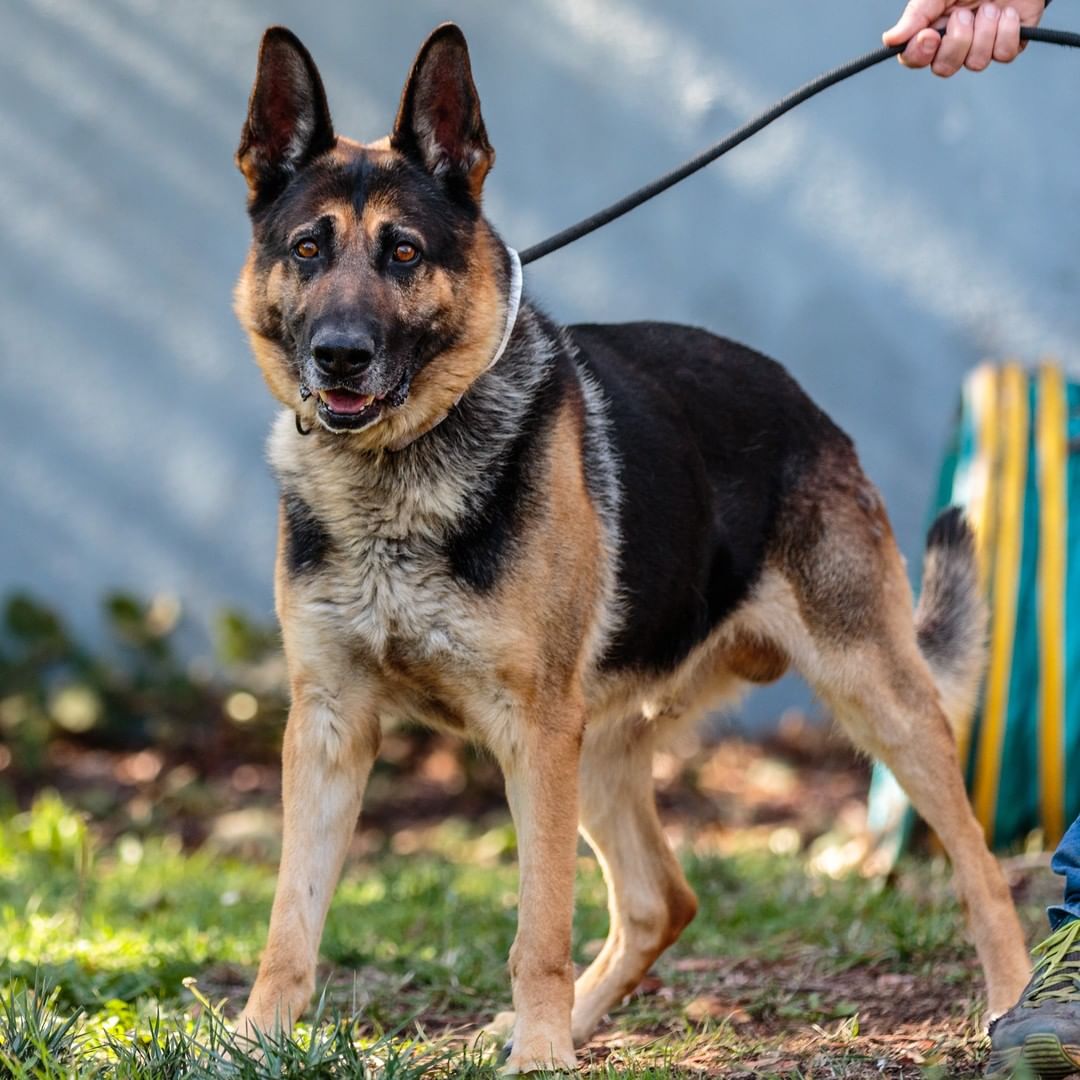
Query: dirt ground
(790, 1012)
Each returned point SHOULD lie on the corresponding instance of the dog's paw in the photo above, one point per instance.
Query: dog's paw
(537, 1056)
(247, 1030)
(491, 1042)
(498, 1029)
(249, 1037)
(254, 1034)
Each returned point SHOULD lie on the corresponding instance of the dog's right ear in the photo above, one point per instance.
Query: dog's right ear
(288, 122)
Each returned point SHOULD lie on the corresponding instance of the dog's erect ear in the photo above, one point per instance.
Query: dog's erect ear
(288, 122)
(439, 122)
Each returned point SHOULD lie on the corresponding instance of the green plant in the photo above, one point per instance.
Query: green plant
(138, 691)
(33, 1034)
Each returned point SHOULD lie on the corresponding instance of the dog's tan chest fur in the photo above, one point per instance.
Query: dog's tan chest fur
(384, 609)
(387, 616)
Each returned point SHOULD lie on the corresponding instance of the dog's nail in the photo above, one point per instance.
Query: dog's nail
(305, 393)
(506, 1051)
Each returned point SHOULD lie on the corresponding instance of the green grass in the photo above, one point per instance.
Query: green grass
(118, 961)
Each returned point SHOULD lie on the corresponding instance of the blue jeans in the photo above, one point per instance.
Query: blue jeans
(1066, 862)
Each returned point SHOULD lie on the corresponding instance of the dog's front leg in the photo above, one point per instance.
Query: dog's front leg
(328, 752)
(542, 788)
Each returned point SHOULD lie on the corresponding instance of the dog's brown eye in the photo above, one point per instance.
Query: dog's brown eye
(306, 249)
(405, 253)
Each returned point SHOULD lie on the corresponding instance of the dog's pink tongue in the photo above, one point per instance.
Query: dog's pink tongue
(345, 401)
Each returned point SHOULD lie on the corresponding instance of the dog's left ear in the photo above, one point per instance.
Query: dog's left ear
(439, 122)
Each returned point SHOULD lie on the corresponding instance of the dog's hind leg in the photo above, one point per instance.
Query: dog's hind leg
(889, 675)
(649, 900)
(330, 745)
(896, 715)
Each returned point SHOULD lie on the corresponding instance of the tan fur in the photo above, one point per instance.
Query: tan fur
(331, 740)
(546, 607)
(959, 687)
(879, 688)
(380, 209)
(247, 300)
(546, 624)
(539, 703)
(755, 659)
(535, 636)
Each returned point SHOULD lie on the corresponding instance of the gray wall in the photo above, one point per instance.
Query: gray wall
(879, 242)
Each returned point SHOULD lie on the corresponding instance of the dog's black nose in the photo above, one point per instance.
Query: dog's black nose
(342, 354)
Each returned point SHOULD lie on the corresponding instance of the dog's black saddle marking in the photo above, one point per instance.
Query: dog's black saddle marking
(710, 436)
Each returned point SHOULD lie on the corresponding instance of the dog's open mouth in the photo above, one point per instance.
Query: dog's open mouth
(347, 402)
(346, 409)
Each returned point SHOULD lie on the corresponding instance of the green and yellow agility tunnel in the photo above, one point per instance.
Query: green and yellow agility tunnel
(1011, 466)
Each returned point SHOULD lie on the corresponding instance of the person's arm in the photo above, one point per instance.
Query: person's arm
(976, 33)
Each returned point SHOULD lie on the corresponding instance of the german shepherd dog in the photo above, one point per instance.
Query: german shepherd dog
(564, 543)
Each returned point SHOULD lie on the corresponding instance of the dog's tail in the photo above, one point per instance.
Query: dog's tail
(951, 617)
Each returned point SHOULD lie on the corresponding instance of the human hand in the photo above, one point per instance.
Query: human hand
(975, 33)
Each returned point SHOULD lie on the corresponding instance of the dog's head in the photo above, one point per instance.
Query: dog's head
(374, 292)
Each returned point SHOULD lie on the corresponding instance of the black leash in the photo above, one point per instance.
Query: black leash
(740, 135)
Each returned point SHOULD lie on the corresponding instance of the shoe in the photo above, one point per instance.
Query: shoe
(1040, 1035)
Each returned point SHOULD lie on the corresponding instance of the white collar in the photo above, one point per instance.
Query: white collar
(513, 302)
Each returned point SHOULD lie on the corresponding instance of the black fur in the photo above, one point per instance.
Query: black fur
(485, 540)
(952, 593)
(306, 540)
(951, 530)
(710, 436)
(444, 224)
